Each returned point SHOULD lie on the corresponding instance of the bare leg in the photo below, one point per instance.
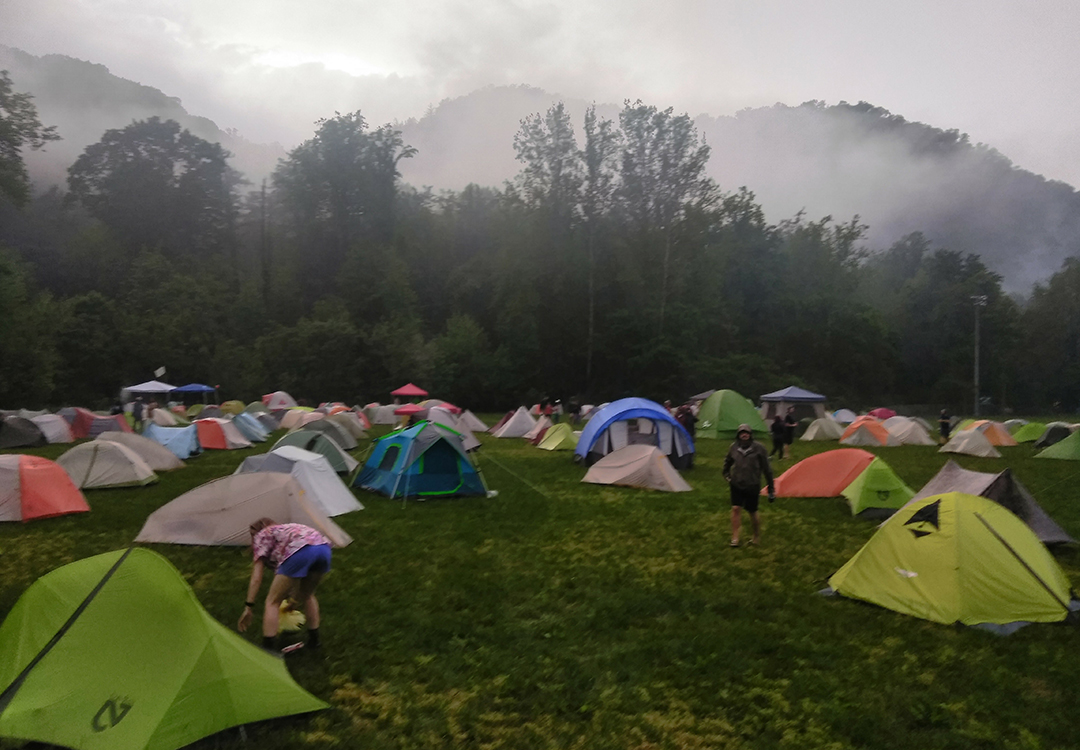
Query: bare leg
(280, 588)
(756, 520)
(736, 523)
(308, 601)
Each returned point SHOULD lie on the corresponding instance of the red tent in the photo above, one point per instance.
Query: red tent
(409, 391)
(882, 413)
(36, 487)
(824, 475)
(409, 409)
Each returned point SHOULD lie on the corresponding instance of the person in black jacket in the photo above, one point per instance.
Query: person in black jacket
(779, 439)
(744, 464)
(790, 423)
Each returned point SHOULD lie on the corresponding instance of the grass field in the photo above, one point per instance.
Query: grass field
(564, 615)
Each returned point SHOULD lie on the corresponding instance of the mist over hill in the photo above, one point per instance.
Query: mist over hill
(841, 160)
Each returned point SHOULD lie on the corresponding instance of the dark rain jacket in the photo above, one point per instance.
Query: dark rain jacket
(744, 465)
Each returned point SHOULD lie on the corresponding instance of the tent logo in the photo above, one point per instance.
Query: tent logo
(883, 495)
(111, 713)
(928, 514)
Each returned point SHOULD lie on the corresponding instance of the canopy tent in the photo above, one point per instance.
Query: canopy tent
(32, 487)
(806, 403)
(642, 466)
(101, 464)
(115, 651)
(16, 432)
(971, 443)
(220, 512)
(422, 461)
(823, 475)
(194, 388)
(877, 491)
(54, 427)
(182, 442)
(319, 442)
(311, 471)
(1004, 489)
(1067, 449)
(154, 454)
(914, 565)
(635, 421)
(722, 413)
(150, 386)
(409, 391)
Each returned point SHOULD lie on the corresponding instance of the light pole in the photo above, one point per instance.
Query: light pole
(979, 300)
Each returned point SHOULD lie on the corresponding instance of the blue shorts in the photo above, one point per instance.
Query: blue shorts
(314, 558)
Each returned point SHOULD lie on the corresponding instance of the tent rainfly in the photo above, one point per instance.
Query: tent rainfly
(55, 428)
(423, 461)
(635, 421)
(278, 400)
(182, 442)
(823, 475)
(971, 443)
(637, 466)
(100, 464)
(156, 455)
(32, 487)
(311, 471)
(824, 428)
(323, 444)
(518, 425)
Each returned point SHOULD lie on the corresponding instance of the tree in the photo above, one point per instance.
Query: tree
(19, 128)
(28, 359)
(551, 177)
(158, 186)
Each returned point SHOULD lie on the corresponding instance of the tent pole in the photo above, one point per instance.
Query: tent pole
(1023, 562)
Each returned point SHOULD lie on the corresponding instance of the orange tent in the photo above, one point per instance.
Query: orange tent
(33, 487)
(859, 421)
(868, 433)
(995, 432)
(824, 475)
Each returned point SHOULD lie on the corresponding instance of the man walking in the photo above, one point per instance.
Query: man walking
(790, 423)
(744, 464)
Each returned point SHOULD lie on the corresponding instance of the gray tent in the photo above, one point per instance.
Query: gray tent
(16, 432)
(1004, 489)
(1055, 433)
(340, 435)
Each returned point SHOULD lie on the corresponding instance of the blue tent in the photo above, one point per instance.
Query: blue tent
(425, 460)
(182, 441)
(611, 428)
(250, 427)
(193, 388)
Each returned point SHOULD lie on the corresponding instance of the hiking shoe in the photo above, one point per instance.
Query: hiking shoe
(292, 648)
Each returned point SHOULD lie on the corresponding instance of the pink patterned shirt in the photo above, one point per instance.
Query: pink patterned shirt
(278, 543)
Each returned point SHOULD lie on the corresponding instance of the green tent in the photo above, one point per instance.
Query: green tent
(878, 490)
(722, 413)
(957, 558)
(1068, 449)
(1030, 432)
(561, 437)
(115, 651)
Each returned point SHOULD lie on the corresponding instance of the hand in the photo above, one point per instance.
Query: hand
(245, 620)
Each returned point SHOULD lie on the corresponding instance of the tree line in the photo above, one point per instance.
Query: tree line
(612, 265)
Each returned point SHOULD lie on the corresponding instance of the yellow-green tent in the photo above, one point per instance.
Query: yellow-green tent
(561, 437)
(878, 490)
(722, 413)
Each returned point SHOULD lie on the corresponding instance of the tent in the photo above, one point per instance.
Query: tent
(1004, 489)
(100, 463)
(439, 415)
(351, 422)
(250, 427)
(232, 407)
(329, 427)
(79, 419)
(971, 443)
(845, 416)
(868, 434)
(318, 442)
(881, 413)
(502, 420)
(17, 432)
(182, 442)
(538, 429)
(722, 413)
(297, 417)
(311, 471)
(823, 475)
(150, 386)
(115, 651)
(105, 423)
(409, 391)
(210, 411)
(559, 438)
(1012, 425)
(256, 407)
(163, 417)
(220, 434)
(1029, 432)
(219, 512)
(908, 432)
(877, 491)
(1068, 449)
(995, 432)
(278, 400)
(155, 455)
(30, 413)
(518, 425)
(635, 421)
(806, 403)
(54, 427)
(637, 466)
(1055, 432)
(382, 414)
(269, 422)
(425, 460)
(195, 410)
(33, 487)
(957, 558)
(473, 422)
(825, 428)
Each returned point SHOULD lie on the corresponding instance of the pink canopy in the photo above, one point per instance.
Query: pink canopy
(409, 391)
(408, 409)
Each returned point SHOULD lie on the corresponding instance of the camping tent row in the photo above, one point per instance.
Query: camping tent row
(868, 431)
(117, 459)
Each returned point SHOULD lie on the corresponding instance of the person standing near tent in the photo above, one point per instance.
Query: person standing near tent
(779, 436)
(137, 412)
(944, 425)
(744, 464)
(789, 429)
(300, 557)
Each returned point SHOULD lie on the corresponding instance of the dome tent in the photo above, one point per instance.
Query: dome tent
(318, 442)
(722, 413)
(422, 461)
(156, 455)
(637, 466)
(823, 475)
(311, 471)
(634, 421)
(33, 487)
(101, 463)
(877, 491)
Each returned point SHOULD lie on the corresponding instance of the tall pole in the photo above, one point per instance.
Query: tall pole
(980, 301)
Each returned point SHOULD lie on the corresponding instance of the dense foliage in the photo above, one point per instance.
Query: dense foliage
(612, 265)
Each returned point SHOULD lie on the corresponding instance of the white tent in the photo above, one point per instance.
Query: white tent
(445, 417)
(351, 422)
(541, 424)
(382, 414)
(971, 443)
(279, 400)
(637, 466)
(517, 426)
(163, 417)
(54, 427)
(471, 421)
(156, 455)
(150, 386)
(908, 431)
(105, 464)
(311, 471)
(844, 416)
(294, 419)
(864, 436)
(825, 428)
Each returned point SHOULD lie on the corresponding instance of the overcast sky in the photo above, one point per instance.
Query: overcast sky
(1004, 72)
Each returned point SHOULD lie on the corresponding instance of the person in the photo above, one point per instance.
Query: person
(556, 411)
(137, 411)
(944, 425)
(575, 411)
(684, 415)
(744, 464)
(545, 409)
(789, 429)
(300, 557)
(779, 436)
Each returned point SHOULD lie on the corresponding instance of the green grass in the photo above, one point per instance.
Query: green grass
(560, 614)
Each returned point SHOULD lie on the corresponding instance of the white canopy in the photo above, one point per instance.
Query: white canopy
(150, 386)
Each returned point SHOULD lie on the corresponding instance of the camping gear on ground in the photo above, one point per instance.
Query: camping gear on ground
(311, 471)
(1067, 449)
(100, 464)
(806, 403)
(250, 427)
(844, 416)
(422, 461)
(971, 443)
(220, 434)
(868, 432)
(323, 444)
(877, 491)
(721, 414)
(637, 466)
(219, 512)
(537, 432)
(409, 391)
(115, 651)
(561, 437)
(17, 432)
(517, 425)
(153, 453)
(823, 475)
(824, 428)
(957, 558)
(1055, 432)
(278, 400)
(182, 442)
(635, 421)
(470, 420)
(1029, 433)
(1004, 489)
(55, 428)
(33, 487)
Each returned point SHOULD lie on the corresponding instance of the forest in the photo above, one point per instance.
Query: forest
(611, 265)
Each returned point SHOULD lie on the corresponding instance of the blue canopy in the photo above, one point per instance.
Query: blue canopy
(631, 408)
(193, 388)
(793, 395)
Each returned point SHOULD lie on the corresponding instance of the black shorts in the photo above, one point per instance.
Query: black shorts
(745, 498)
